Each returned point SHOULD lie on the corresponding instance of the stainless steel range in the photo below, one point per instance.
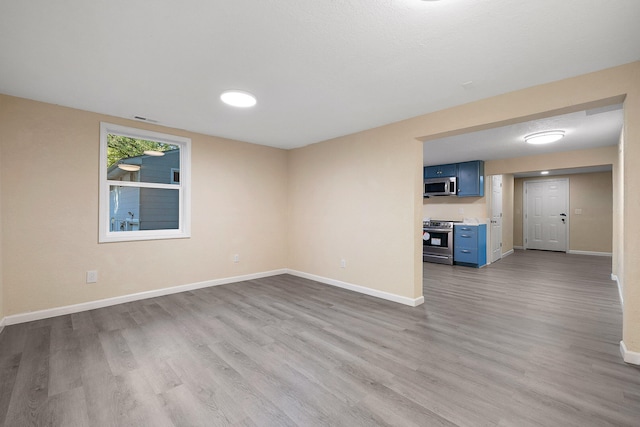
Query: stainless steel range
(437, 241)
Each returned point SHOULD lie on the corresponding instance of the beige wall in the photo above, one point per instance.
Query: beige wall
(456, 208)
(518, 204)
(507, 212)
(590, 231)
(49, 212)
(564, 160)
(1, 241)
(356, 198)
(628, 265)
(618, 214)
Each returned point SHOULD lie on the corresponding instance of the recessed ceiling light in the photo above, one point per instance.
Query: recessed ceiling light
(238, 98)
(545, 137)
(544, 173)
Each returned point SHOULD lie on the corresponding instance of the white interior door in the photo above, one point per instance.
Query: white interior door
(496, 217)
(546, 214)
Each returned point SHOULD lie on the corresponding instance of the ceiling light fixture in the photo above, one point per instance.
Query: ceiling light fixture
(545, 137)
(544, 173)
(238, 98)
(129, 168)
(155, 153)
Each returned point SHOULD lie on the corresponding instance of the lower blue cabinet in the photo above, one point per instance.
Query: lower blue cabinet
(470, 244)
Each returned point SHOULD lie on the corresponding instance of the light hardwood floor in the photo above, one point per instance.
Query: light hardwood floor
(530, 340)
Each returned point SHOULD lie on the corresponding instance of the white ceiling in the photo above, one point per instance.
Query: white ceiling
(320, 69)
(583, 129)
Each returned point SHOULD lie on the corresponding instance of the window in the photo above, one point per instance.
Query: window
(175, 176)
(144, 185)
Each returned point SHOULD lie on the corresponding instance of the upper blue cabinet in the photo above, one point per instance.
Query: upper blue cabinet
(441, 171)
(470, 176)
(471, 179)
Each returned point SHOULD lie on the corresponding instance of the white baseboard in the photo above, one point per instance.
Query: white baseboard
(413, 302)
(577, 252)
(615, 278)
(91, 305)
(506, 254)
(590, 253)
(629, 356)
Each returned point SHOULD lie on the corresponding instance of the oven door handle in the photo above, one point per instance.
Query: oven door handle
(437, 230)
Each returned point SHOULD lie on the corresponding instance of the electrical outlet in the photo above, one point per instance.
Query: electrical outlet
(236, 258)
(92, 276)
(343, 263)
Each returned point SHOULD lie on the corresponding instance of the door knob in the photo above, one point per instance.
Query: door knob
(563, 214)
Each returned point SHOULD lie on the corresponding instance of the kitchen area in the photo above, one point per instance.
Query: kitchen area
(451, 232)
(543, 184)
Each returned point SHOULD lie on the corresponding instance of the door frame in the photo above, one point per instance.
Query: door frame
(525, 209)
(492, 236)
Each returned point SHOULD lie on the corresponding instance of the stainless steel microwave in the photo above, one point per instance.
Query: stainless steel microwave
(445, 186)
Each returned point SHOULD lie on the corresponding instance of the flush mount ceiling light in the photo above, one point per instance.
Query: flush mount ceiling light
(545, 137)
(129, 168)
(153, 153)
(544, 173)
(238, 98)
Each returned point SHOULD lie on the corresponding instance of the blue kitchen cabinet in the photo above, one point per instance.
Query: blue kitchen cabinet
(441, 171)
(471, 179)
(470, 245)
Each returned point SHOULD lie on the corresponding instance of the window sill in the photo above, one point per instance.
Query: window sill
(131, 236)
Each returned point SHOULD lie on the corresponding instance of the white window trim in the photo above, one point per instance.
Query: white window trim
(105, 235)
